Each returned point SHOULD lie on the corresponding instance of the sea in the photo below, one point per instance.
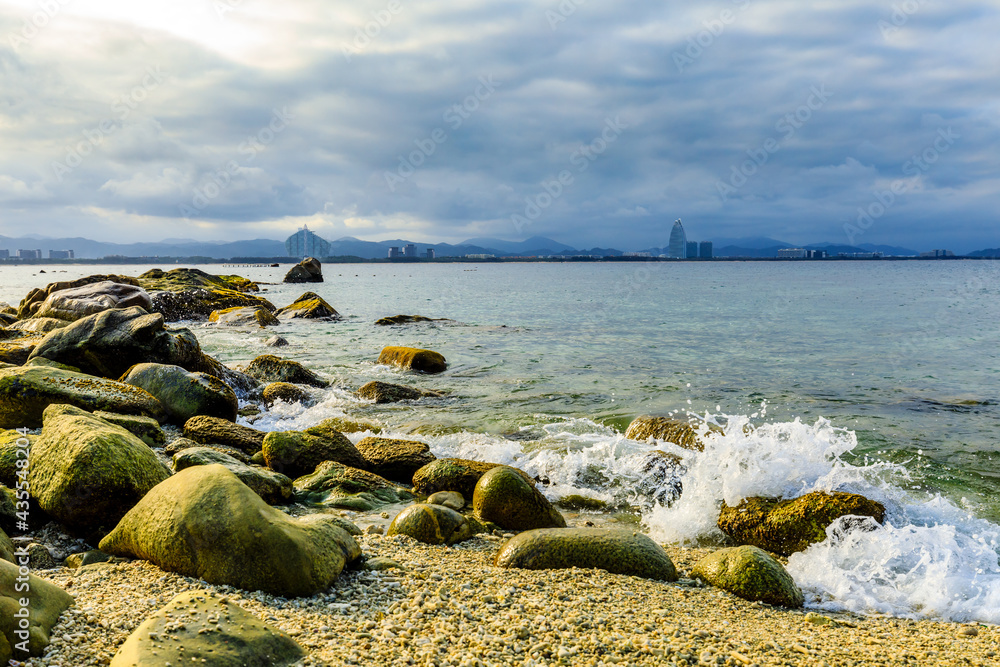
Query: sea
(874, 377)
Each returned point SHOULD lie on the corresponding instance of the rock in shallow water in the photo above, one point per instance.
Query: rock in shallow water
(285, 391)
(394, 459)
(750, 573)
(414, 359)
(431, 524)
(216, 431)
(384, 392)
(269, 368)
(460, 475)
(183, 393)
(244, 316)
(676, 431)
(504, 497)
(297, 453)
(309, 306)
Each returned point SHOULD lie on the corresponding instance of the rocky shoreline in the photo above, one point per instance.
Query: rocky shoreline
(222, 544)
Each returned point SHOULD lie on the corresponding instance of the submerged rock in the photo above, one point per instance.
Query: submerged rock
(749, 573)
(77, 302)
(460, 475)
(394, 459)
(401, 319)
(431, 524)
(214, 631)
(616, 550)
(308, 270)
(384, 392)
(297, 453)
(204, 522)
(46, 603)
(287, 392)
(504, 497)
(676, 431)
(184, 394)
(244, 316)
(414, 359)
(308, 306)
(269, 368)
(276, 341)
(786, 526)
(336, 485)
(273, 487)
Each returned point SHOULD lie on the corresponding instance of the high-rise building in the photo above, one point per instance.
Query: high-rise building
(678, 241)
(394, 252)
(4, 254)
(705, 250)
(29, 254)
(409, 250)
(61, 254)
(692, 249)
(430, 253)
(305, 243)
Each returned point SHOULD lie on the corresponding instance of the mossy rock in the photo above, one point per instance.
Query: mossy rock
(336, 485)
(309, 270)
(38, 325)
(616, 550)
(25, 392)
(32, 302)
(452, 474)
(146, 429)
(787, 526)
(385, 392)
(504, 497)
(184, 394)
(204, 522)
(401, 319)
(214, 631)
(198, 303)
(678, 432)
(242, 384)
(16, 351)
(46, 603)
(297, 453)
(180, 444)
(309, 306)
(394, 459)
(348, 425)
(87, 473)
(9, 455)
(431, 524)
(578, 502)
(178, 280)
(244, 316)
(273, 487)
(6, 547)
(84, 558)
(48, 363)
(450, 499)
(74, 303)
(213, 430)
(269, 368)
(287, 392)
(749, 573)
(414, 359)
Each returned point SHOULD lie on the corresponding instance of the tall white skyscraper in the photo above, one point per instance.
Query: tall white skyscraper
(678, 241)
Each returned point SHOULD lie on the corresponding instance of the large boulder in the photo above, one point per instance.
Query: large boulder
(178, 280)
(86, 472)
(616, 550)
(384, 392)
(786, 526)
(459, 475)
(244, 316)
(146, 429)
(201, 627)
(184, 394)
(269, 368)
(414, 359)
(216, 431)
(394, 459)
(309, 306)
(10, 453)
(749, 573)
(273, 487)
(180, 444)
(297, 453)
(109, 343)
(204, 522)
(25, 393)
(78, 302)
(431, 524)
(46, 602)
(678, 432)
(308, 270)
(33, 301)
(335, 485)
(503, 496)
(192, 294)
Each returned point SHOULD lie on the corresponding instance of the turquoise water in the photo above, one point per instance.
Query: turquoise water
(876, 376)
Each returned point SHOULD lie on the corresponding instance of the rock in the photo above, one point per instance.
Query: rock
(336, 485)
(145, 428)
(242, 384)
(199, 303)
(346, 425)
(46, 603)
(38, 325)
(17, 351)
(297, 453)
(450, 499)
(676, 431)
(274, 488)
(249, 411)
(6, 548)
(749, 573)
(86, 472)
(504, 497)
(786, 526)
(269, 368)
(9, 455)
(310, 306)
(213, 430)
(25, 393)
(7, 318)
(214, 631)
(383, 392)
(401, 319)
(181, 444)
(431, 524)
(662, 478)
(247, 315)
(308, 270)
(394, 459)
(78, 560)
(77, 302)
(285, 391)
(276, 341)
(411, 358)
(40, 557)
(616, 550)
(178, 280)
(582, 503)
(204, 522)
(184, 394)
(30, 304)
(382, 563)
(459, 475)
(109, 343)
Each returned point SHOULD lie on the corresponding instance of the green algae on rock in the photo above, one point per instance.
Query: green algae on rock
(184, 394)
(385, 392)
(414, 359)
(786, 526)
(678, 432)
(145, 428)
(336, 485)
(204, 522)
(310, 306)
(452, 474)
(750, 573)
(503, 496)
(394, 459)
(213, 430)
(243, 316)
(401, 319)
(616, 550)
(273, 487)
(285, 391)
(297, 453)
(269, 368)
(431, 524)
(9, 455)
(46, 602)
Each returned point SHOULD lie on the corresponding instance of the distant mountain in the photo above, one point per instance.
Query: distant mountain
(989, 252)
(88, 249)
(751, 243)
(533, 246)
(890, 250)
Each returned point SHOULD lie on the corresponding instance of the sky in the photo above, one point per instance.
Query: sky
(593, 123)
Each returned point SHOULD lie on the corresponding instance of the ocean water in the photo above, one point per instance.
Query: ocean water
(874, 377)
